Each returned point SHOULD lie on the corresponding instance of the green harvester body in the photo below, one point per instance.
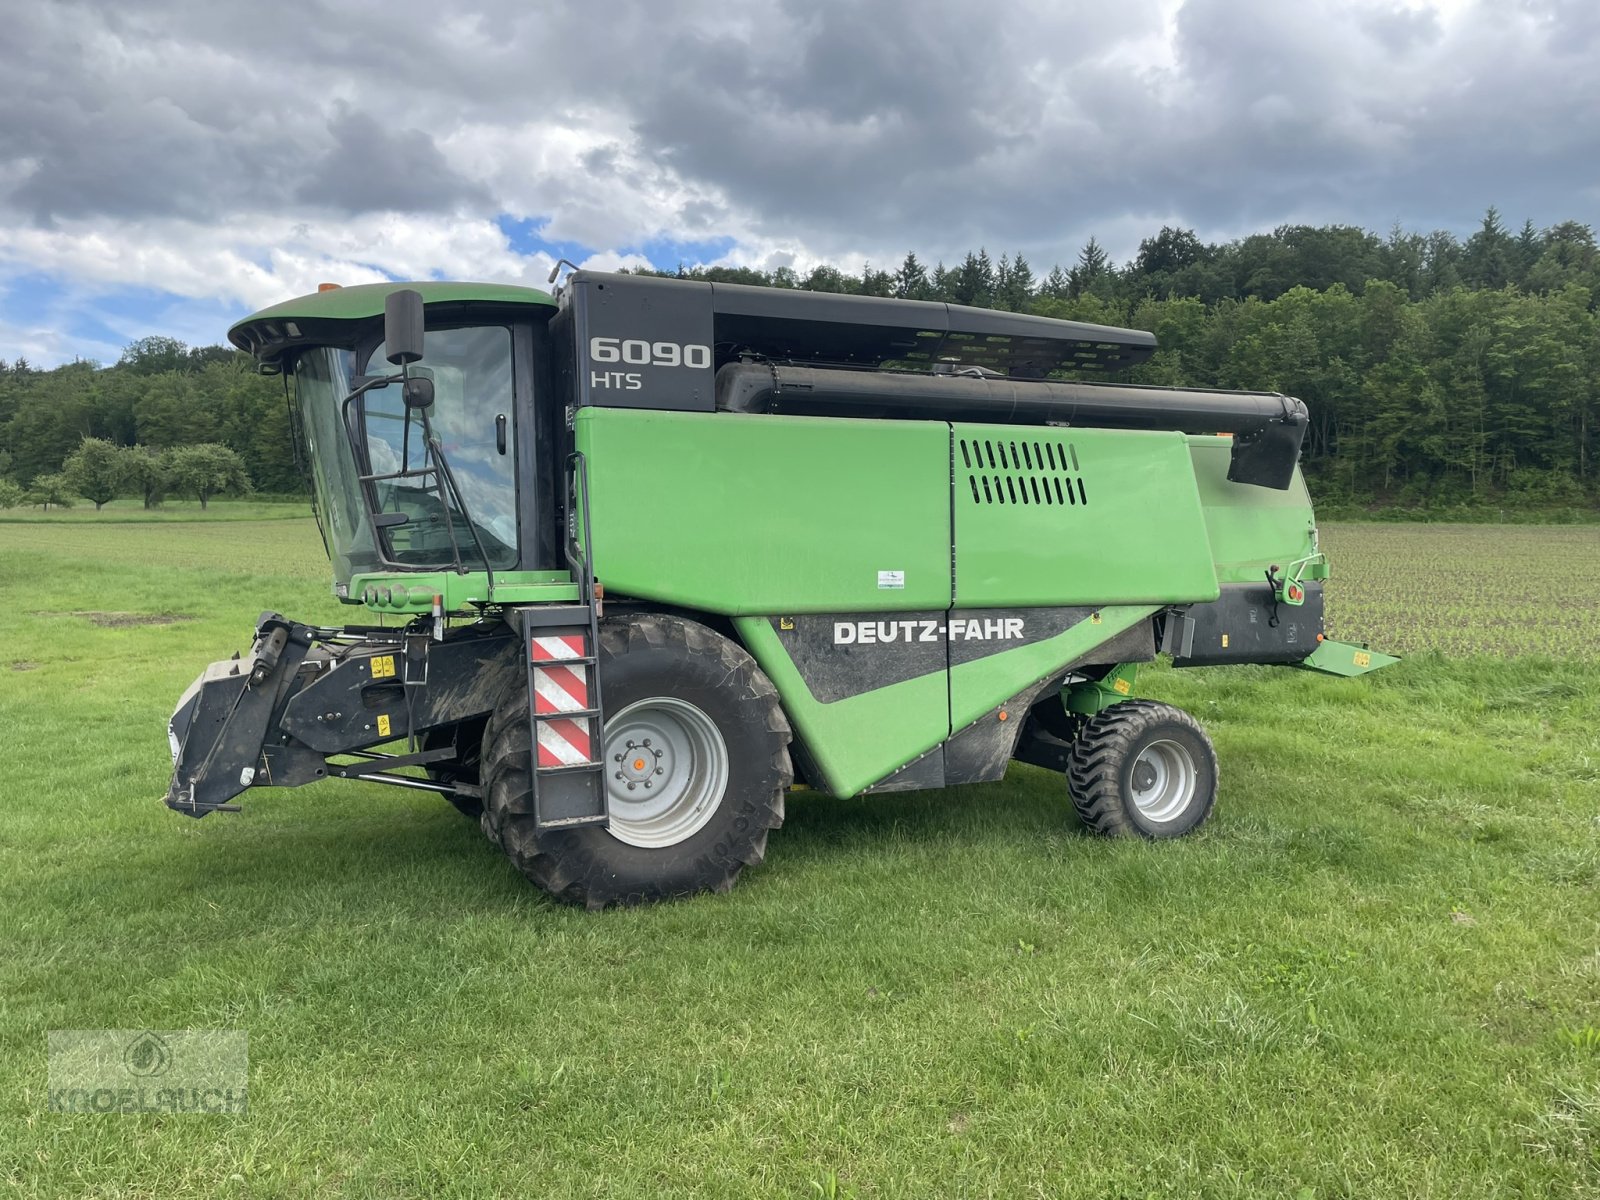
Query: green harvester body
(941, 548)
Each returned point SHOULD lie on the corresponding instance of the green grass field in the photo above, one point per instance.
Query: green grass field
(126, 509)
(1376, 972)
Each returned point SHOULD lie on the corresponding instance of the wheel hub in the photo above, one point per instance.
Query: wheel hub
(666, 771)
(640, 763)
(1164, 780)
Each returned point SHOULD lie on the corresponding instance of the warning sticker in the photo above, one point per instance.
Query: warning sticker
(383, 666)
(891, 581)
(383, 724)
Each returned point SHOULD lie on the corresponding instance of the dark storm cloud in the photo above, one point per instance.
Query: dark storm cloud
(1387, 117)
(370, 168)
(838, 126)
(1400, 30)
(938, 125)
(78, 142)
(156, 110)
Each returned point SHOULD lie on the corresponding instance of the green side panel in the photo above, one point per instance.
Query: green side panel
(1081, 516)
(412, 593)
(741, 514)
(1341, 658)
(1250, 527)
(857, 741)
(978, 687)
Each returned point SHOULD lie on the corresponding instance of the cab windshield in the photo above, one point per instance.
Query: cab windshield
(418, 488)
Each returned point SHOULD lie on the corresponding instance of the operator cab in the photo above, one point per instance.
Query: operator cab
(416, 452)
(419, 508)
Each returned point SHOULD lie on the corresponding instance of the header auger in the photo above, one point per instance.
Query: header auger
(870, 545)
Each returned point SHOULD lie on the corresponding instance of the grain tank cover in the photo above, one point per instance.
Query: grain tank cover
(643, 342)
(801, 326)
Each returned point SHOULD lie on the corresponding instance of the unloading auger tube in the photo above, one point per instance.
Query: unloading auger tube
(1267, 428)
(862, 544)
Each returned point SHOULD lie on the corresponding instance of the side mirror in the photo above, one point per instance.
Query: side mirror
(417, 392)
(402, 326)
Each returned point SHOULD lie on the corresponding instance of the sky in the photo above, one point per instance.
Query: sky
(168, 166)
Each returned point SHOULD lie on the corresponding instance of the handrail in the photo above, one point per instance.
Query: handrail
(578, 496)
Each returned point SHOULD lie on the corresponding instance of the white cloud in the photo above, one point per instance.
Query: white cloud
(609, 260)
(49, 345)
(257, 259)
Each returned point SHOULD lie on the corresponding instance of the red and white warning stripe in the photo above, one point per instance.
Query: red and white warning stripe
(560, 689)
(554, 649)
(564, 742)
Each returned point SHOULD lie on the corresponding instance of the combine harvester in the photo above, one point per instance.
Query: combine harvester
(654, 550)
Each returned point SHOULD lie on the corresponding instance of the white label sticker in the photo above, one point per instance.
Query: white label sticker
(891, 581)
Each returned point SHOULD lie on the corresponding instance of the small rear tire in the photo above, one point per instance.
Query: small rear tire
(1143, 769)
(718, 769)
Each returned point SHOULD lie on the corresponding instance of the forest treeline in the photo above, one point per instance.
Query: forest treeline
(194, 422)
(1438, 371)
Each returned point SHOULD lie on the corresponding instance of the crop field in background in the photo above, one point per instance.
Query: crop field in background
(1505, 590)
(1375, 973)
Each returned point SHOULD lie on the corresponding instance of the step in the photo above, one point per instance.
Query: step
(575, 714)
(570, 769)
(575, 822)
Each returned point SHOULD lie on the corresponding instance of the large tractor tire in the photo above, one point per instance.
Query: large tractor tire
(696, 753)
(1142, 769)
(468, 739)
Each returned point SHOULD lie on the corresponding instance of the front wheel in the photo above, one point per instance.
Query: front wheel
(1143, 769)
(696, 765)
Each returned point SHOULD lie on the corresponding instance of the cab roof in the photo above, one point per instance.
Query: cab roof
(323, 318)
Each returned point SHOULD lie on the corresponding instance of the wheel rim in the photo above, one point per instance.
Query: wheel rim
(666, 770)
(1163, 781)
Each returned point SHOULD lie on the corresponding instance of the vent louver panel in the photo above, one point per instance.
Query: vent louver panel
(1031, 471)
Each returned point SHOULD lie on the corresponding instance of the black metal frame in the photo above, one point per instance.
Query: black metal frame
(392, 761)
(581, 564)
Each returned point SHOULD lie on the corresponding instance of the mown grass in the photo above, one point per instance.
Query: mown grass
(1370, 975)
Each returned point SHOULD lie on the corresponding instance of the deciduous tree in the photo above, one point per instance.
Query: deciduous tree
(46, 490)
(148, 474)
(96, 470)
(207, 470)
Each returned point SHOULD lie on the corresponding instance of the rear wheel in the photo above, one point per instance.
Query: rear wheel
(696, 761)
(1143, 769)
